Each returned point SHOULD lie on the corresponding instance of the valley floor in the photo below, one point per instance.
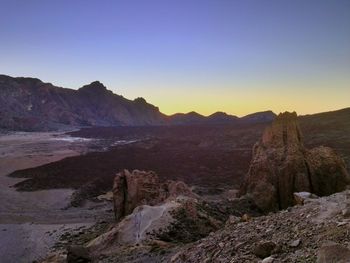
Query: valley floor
(31, 222)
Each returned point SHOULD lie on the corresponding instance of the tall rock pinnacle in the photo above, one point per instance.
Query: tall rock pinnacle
(281, 165)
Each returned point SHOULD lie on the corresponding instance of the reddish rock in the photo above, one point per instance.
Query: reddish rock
(264, 249)
(333, 252)
(143, 188)
(281, 166)
(328, 171)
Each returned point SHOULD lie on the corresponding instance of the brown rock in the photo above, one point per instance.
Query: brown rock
(346, 212)
(327, 171)
(281, 165)
(233, 220)
(295, 243)
(301, 197)
(78, 254)
(140, 188)
(246, 218)
(333, 253)
(264, 249)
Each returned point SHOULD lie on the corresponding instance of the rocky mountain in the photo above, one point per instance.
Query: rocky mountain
(281, 166)
(32, 105)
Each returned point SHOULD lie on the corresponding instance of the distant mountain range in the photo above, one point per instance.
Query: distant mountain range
(32, 105)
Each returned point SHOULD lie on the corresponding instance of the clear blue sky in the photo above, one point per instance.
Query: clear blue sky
(182, 55)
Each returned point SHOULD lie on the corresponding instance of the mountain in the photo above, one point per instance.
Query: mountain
(259, 117)
(335, 120)
(196, 118)
(32, 105)
(186, 118)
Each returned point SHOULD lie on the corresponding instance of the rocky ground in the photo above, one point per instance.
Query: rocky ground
(212, 158)
(32, 222)
(317, 231)
(293, 235)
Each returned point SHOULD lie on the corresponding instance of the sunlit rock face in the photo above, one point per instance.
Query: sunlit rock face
(281, 165)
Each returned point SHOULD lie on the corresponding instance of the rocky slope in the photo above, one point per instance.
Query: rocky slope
(30, 104)
(315, 232)
(281, 165)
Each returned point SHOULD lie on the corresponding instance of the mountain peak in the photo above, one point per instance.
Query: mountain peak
(140, 100)
(94, 86)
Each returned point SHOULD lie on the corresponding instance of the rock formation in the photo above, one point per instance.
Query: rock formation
(149, 211)
(281, 165)
(143, 188)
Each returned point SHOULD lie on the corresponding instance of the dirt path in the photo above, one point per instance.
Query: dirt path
(31, 222)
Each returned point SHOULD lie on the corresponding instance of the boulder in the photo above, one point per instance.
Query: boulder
(333, 252)
(281, 166)
(328, 172)
(301, 197)
(143, 188)
(264, 249)
(78, 254)
(295, 243)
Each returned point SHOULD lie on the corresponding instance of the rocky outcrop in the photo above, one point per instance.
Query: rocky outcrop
(281, 165)
(149, 211)
(176, 221)
(143, 188)
(328, 173)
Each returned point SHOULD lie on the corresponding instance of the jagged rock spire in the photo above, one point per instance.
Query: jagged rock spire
(281, 165)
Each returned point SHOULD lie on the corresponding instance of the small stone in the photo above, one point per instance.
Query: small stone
(233, 220)
(268, 260)
(341, 224)
(246, 218)
(239, 245)
(295, 243)
(346, 212)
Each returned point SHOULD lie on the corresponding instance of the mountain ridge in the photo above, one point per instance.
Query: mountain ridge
(30, 104)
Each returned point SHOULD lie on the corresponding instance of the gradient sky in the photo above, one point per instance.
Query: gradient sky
(183, 55)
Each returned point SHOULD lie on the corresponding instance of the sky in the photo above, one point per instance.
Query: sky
(236, 56)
